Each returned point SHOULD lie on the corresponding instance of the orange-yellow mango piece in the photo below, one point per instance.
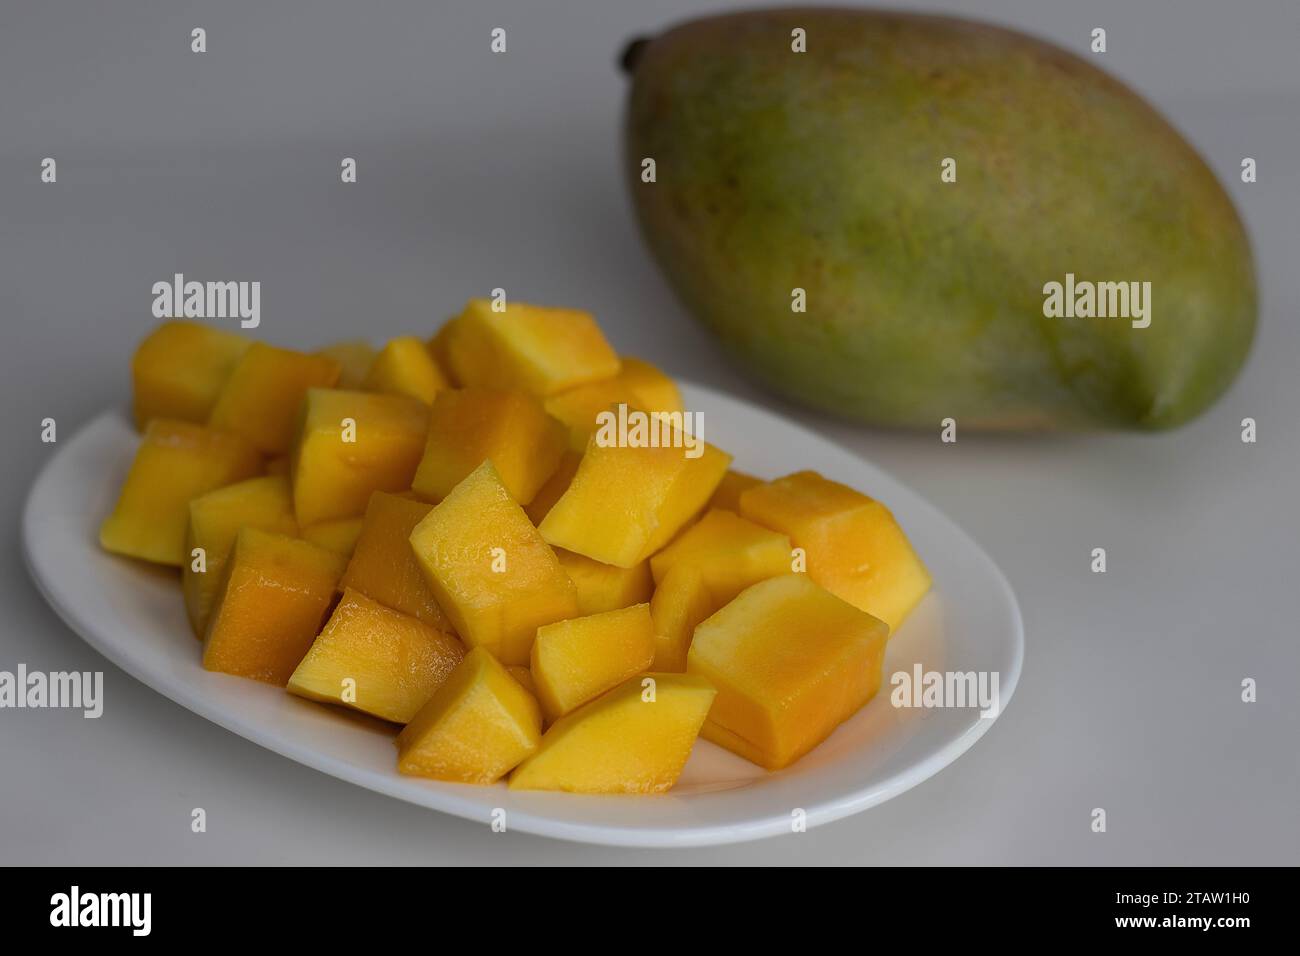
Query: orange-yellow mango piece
(680, 602)
(179, 369)
(730, 552)
(605, 587)
(654, 390)
(629, 740)
(475, 728)
(405, 367)
(383, 566)
(351, 444)
(215, 519)
(855, 549)
(468, 426)
(729, 489)
(539, 349)
(274, 599)
(262, 398)
(625, 502)
(376, 660)
(791, 662)
(339, 535)
(489, 569)
(354, 356)
(556, 485)
(175, 462)
(577, 660)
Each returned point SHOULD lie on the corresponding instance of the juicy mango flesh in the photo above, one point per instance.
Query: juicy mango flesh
(924, 298)
(215, 519)
(790, 662)
(633, 740)
(577, 660)
(351, 444)
(530, 578)
(489, 569)
(475, 728)
(174, 463)
(376, 660)
(274, 598)
(852, 545)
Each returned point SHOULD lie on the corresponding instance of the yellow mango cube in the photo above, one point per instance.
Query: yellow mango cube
(854, 547)
(556, 485)
(405, 367)
(730, 553)
(606, 587)
(541, 350)
(355, 357)
(339, 535)
(577, 660)
(625, 502)
(790, 662)
(383, 565)
(175, 462)
(654, 391)
(468, 426)
(478, 725)
(489, 569)
(376, 660)
(680, 602)
(729, 489)
(274, 598)
(262, 399)
(215, 519)
(351, 444)
(180, 368)
(633, 740)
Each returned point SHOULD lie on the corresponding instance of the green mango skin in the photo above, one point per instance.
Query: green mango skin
(821, 170)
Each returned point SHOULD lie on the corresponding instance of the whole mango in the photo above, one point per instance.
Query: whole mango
(904, 218)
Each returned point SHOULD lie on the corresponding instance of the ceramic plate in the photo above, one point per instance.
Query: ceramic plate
(133, 615)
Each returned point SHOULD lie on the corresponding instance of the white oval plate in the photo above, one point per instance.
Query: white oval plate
(133, 614)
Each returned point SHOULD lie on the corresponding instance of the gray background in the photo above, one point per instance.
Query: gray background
(479, 171)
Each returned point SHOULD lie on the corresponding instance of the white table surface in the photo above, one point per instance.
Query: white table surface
(478, 172)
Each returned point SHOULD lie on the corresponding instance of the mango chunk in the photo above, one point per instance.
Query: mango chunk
(376, 660)
(855, 549)
(489, 569)
(215, 519)
(681, 601)
(654, 390)
(622, 742)
(625, 502)
(275, 596)
(339, 535)
(354, 356)
(468, 426)
(790, 662)
(556, 485)
(263, 396)
(524, 676)
(351, 444)
(606, 587)
(383, 566)
(475, 728)
(541, 350)
(179, 369)
(730, 552)
(577, 660)
(729, 489)
(176, 461)
(405, 367)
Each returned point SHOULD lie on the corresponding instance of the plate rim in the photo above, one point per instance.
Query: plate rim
(824, 811)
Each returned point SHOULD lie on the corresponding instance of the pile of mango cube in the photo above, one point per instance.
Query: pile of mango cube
(431, 533)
